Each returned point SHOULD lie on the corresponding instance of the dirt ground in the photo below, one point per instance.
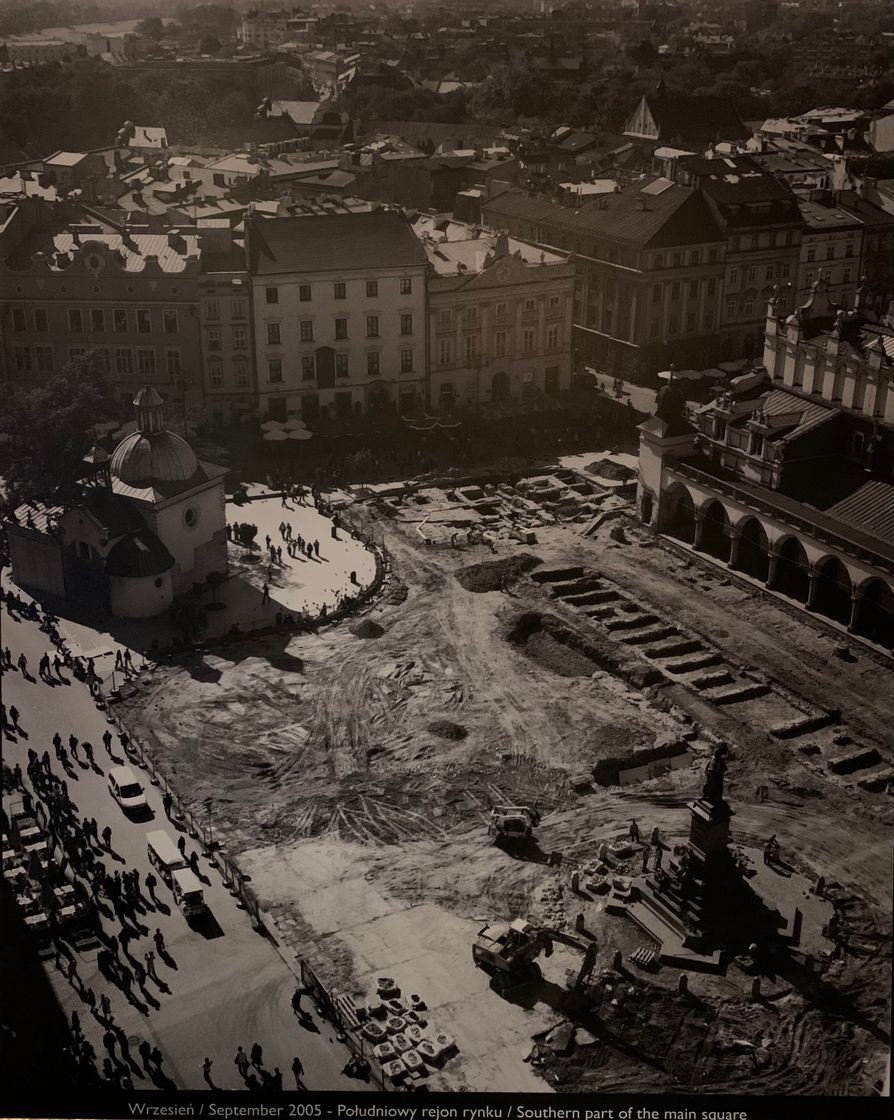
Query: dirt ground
(353, 772)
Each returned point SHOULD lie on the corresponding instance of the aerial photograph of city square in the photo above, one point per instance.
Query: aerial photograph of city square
(446, 559)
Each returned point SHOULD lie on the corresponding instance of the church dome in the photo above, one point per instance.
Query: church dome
(144, 457)
(152, 453)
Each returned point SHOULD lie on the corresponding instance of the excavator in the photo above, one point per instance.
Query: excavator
(512, 824)
(508, 952)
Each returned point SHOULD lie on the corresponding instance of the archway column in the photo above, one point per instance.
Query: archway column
(856, 603)
(773, 568)
(735, 539)
(700, 520)
(813, 587)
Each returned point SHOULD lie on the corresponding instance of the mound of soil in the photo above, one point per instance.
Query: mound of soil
(495, 575)
(614, 472)
(367, 629)
(446, 729)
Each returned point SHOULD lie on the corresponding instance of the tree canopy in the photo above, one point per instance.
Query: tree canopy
(50, 429)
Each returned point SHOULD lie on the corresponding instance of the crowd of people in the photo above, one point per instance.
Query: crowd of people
(114, 904)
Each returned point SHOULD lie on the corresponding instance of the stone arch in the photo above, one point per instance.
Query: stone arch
(715, 533)
(678, 513)
(875, 612)
(833, 590)
(792, 576)
(499, 386)
(754, 549)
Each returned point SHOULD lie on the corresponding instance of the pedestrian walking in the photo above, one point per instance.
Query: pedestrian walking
(151, 883)
(265, 594)
(107, 838)
(57, 666)
(128, 661)
(23, 664)
(159, 939)
(107, 740)
(317, 547)
(310, 550)
(655, 837)
(14, 716)
(73, 745)
(279, 554)
(241, 1061)
(659, 856)
(139, 975)
(276, 1080)
(257, 1055)
(150, 964)
(157, 1056)
(267, 542)
(645, 866)
(88, 751)
(145, 1052)
(109, 1040)
(206, 1071)
(634, 832)
(297, 1071)
(75, 1024)
(106, 1006)
(119, 661)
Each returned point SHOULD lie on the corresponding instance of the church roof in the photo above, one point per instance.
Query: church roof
(141, 554)
(145, 457)
(696, 118)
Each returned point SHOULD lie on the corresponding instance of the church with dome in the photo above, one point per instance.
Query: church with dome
(148, 525)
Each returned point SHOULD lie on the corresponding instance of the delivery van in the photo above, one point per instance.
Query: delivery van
(164, 854)
(188, 893)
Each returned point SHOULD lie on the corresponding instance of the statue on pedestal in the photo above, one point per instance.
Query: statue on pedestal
(714, 775)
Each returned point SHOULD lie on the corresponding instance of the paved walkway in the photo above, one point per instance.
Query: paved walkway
(228, 986)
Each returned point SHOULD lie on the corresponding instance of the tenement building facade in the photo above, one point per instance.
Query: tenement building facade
(339, 314)
(787, 477)
(500, 319)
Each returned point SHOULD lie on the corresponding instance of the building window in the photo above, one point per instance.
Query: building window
(694, 256)
(18, 320)
(502, 309)
(846, 276)
(712, 255)
(169, 322)
(339, 291)
(173, 364)
(237, 309)
(656, 293)
(341, 365)
(406, 361)
(144, 322)
(23, 358)
(214, 338)
(675, 290)
(271, 295)
(212, 312)
(552, 338)
(529, 305)
(673, 327)
(241, 374)
(97, 320)
(500, 344)
(43, 359)
(554, 301)
(308, 369)
(146, 362)
(372, 326)
(659, 260)
(273, 334)
(76, 353)
(75, 320)
(749, 308)
(372, 364)
(406, 287)
(527, 341)
(306, 329)
(830, 253)
(41, 323)
(445, 351)
(709, 320)
(849, 249)
(215, 375)
(240, 338)
(406, 324)
(372, 288)
(676, 260)
(119, 320)
(731, 309)
(712, 288)
(341, 328)
(274, 370)
(445, 318)
(690, 321)
(304, 293)
(471, 347)
(124, 361)
(693, 289)
(771, 271)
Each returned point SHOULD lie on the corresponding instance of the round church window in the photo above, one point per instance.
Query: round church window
(191, 517)
(158, 582)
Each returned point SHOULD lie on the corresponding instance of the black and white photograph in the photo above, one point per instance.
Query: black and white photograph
(446, 559)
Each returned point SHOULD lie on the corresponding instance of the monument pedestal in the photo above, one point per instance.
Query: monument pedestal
(709, 831)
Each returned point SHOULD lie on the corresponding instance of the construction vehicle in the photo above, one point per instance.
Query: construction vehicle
(509, 951)
(512, 824)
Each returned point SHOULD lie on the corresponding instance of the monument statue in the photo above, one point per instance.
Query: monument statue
(715, 772)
